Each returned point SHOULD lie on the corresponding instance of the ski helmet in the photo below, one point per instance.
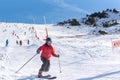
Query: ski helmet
(48, 39)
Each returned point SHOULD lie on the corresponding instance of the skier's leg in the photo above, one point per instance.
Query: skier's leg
(47, 67)
(43, 67)
(40, 74)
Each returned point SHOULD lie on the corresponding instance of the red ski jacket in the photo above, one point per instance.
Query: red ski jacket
(47, 51)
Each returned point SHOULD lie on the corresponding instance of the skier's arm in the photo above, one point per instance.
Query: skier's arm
(39, 49)
(54, 54)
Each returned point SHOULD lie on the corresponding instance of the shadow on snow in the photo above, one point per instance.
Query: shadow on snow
(33, 77)
(100, 76)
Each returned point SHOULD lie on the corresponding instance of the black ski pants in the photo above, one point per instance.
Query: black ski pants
(46, 65)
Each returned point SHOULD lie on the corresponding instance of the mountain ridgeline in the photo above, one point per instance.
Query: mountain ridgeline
(106, 18)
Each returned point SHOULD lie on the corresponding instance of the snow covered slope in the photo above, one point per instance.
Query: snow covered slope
(82, 56)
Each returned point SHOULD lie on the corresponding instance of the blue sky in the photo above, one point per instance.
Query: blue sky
(32, 11)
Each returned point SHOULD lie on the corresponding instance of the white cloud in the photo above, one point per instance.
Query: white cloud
(62, 4)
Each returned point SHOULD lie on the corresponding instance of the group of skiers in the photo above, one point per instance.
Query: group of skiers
(20, 42)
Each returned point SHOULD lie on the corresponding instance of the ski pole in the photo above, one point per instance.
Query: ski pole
(25, 63)
(59, 64)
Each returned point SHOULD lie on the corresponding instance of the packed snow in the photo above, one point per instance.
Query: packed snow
(82, 56)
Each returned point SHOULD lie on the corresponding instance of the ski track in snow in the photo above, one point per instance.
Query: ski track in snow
(85, 58)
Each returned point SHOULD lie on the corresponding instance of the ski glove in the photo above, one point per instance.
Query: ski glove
(58, 56)
(38, 51)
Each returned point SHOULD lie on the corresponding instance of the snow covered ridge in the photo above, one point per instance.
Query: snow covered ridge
(100, 18)
(109, 24)
(105, 22)
(96, 19)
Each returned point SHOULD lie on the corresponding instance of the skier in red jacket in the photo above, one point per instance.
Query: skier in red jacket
(47, 51)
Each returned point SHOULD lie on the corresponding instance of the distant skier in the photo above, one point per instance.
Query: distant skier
(47, 51)
(38, 38)
(20, 42)
(13, 32)
(28, 41)
(24, 33)
(7, 42)
(17, 42)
